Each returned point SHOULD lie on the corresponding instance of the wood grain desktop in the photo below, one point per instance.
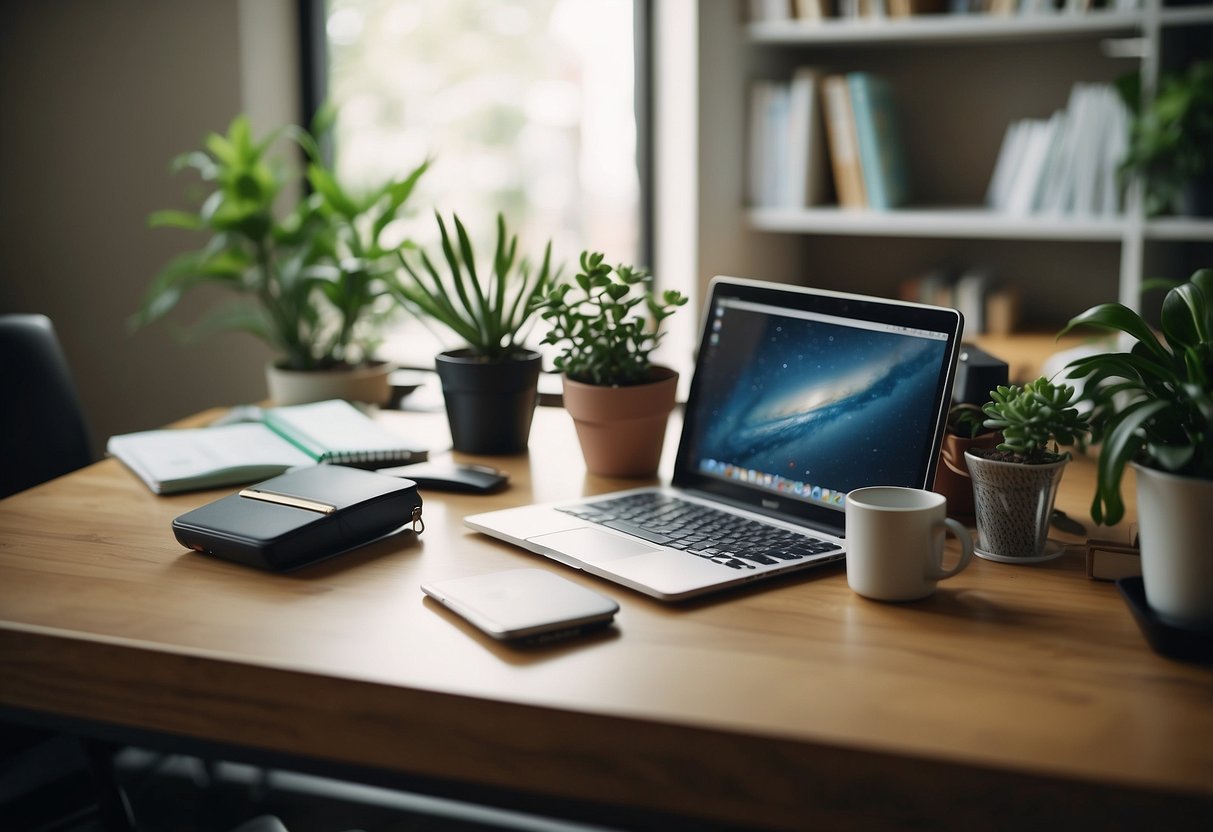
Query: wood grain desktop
(1016, 696)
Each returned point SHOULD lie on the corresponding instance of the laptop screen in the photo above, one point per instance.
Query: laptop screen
(801, 396)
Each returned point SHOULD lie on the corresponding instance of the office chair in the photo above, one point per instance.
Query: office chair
(43, 433)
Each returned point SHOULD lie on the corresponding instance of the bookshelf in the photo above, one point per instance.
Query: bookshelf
(962, 79)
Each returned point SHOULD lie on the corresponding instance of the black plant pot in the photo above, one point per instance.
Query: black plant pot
(489, 404)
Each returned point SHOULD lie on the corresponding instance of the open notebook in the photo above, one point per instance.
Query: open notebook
(798, 397)
(332, 432)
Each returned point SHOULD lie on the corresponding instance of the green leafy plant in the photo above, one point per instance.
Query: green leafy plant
(599, 318)
(1033, 417)
(1153, 404)
(1170, 134)
(966, 420)
(490, 312)
(311, 283)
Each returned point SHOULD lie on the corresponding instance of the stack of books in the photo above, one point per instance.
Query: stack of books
(815, 11)
(792, 126)
(787, 143)
(1064, 165)
(989, 305)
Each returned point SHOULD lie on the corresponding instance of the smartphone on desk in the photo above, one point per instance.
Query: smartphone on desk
(527, 605)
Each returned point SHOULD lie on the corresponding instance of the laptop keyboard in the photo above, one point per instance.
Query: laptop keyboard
(718, 536)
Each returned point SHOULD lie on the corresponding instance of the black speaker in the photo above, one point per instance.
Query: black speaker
(977, 373)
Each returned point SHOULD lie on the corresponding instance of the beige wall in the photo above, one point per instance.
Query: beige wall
(96, 96)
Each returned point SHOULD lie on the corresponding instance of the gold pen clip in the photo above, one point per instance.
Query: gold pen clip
(287, 500)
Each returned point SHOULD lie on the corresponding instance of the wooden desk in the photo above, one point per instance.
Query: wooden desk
(1017, 696)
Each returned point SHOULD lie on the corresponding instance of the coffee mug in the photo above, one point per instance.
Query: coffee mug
(895, 542)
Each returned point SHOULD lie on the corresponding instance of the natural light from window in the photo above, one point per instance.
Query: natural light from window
(525, 106)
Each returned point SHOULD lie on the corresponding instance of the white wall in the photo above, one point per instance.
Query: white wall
(97, 96)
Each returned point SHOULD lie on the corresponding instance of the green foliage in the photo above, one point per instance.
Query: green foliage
(1153, 404)
(966, 420)
(310, 283)
(1170, 135)
(1033, 416)
(490, 312)
(600, 321)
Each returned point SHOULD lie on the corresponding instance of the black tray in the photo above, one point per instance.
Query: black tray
(1173, 642)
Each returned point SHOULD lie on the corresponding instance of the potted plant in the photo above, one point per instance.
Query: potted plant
(1169, 139)
(310, 281)
(619, 401)
(1153, 410)
(964, 430)
(1015, 483)
(490, 385)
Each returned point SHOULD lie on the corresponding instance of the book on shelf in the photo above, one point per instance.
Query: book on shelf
(988, 306)
(909, 8)
(812, 10)
(787, 158)
(881, 155)
(770, 103)
(969, 299)
(187, 459)
(807, 172)
(766, 10)
(1064, 165)
(842, 142)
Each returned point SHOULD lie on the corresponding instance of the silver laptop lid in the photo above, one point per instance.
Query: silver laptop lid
(800, 396)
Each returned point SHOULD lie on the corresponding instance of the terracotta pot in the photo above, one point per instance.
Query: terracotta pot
(489, 404)
(368, 384)
(952, 478)
(622, 429)
(1013, 504)
(1172, 517)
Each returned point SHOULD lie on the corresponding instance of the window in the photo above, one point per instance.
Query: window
(525, 106)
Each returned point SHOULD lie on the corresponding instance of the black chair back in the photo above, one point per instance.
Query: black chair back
(43, 433)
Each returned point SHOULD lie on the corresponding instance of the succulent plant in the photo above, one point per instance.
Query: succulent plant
(1034, 416)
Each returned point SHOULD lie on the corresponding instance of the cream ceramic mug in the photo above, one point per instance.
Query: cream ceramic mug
(895, 542)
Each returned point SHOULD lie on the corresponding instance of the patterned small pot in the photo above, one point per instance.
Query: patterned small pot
(1013, 504)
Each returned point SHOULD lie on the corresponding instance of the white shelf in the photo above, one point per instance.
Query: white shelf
(1093, 244)
(944, 28)
(1180, 229)
(971, 223)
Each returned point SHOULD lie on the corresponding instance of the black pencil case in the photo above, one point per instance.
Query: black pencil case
(301, 517)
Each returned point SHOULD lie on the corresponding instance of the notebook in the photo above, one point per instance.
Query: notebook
(798, 396)
(189, 459)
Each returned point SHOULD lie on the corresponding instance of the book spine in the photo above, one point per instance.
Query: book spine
(864, 115)
(879, 140)
(844, 150)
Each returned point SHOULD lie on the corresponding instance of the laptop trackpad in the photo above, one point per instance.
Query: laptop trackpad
(592, 546)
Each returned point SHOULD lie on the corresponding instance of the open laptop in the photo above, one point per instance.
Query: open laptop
(798, 397)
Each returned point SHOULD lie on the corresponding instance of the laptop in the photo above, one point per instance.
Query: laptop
(798, 396)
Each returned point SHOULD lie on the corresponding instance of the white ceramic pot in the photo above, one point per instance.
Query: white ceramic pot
(1176, 556)
(361, 384)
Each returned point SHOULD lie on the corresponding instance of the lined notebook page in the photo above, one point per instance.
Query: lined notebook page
(336, 431)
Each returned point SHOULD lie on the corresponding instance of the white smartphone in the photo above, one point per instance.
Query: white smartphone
(524, 604)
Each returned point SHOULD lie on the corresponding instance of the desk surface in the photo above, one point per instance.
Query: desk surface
(1017, 692)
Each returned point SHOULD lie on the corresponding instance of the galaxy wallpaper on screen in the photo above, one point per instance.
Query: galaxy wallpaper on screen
(810, 405)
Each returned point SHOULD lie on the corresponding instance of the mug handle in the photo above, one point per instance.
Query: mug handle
(936, 571)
